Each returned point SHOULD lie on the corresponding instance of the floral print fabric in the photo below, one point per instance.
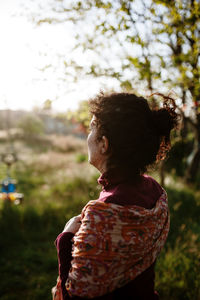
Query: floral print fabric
(57, 291)
(115, 244)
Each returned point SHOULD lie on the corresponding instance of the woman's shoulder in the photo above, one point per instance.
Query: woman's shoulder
(62, 239)
(145, 192)
(151, 183)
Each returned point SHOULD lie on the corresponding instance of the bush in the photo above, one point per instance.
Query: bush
(177, 160)
(81, 158)
(177, 271)
(31, 127)
(184, 213)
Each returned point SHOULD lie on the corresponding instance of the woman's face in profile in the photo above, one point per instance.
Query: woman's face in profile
(93, 144)
(97, 148)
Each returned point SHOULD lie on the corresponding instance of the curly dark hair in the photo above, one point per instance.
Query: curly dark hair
(138, 136)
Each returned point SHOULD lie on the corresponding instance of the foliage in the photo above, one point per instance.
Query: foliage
(141, 44)
(81, 158)
(178, 157)
(177, 275)
(27, 254)
(31, 126)
(47, 105)
(154, 29)
(66, 144)
(28, 257)
(28, 261)
(81, 115)
(184, 213)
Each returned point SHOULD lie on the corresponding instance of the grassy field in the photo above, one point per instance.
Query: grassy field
(57, 182)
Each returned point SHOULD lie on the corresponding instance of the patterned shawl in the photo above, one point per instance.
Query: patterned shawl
(115, 244)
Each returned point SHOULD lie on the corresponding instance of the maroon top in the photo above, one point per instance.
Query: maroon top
(122, 191)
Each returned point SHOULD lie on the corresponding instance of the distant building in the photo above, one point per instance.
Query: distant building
(52, 124)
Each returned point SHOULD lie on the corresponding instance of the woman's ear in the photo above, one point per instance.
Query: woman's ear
(105, 144)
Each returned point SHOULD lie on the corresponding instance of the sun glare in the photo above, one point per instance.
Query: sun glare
(31, 62)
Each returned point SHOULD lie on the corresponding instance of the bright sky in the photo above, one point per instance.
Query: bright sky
(25, 49)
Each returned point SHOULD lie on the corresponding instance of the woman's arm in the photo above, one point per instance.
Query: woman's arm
(64, 249)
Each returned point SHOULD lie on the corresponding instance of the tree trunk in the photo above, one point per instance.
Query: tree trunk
(194, 166)
(184, 129)
(162, 173)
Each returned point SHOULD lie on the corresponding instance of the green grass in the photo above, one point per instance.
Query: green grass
(28, 259)
(177, 269)
(27, 255)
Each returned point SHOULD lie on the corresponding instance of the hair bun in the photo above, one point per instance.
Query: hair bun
(163, 122)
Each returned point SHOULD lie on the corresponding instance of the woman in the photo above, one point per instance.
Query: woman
(109, 251)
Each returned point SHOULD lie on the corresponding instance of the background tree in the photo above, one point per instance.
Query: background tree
(80, 116)
(47, 106)
(148, 44)
(31, 126)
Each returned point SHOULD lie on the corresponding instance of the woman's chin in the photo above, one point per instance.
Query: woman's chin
(91, 162)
